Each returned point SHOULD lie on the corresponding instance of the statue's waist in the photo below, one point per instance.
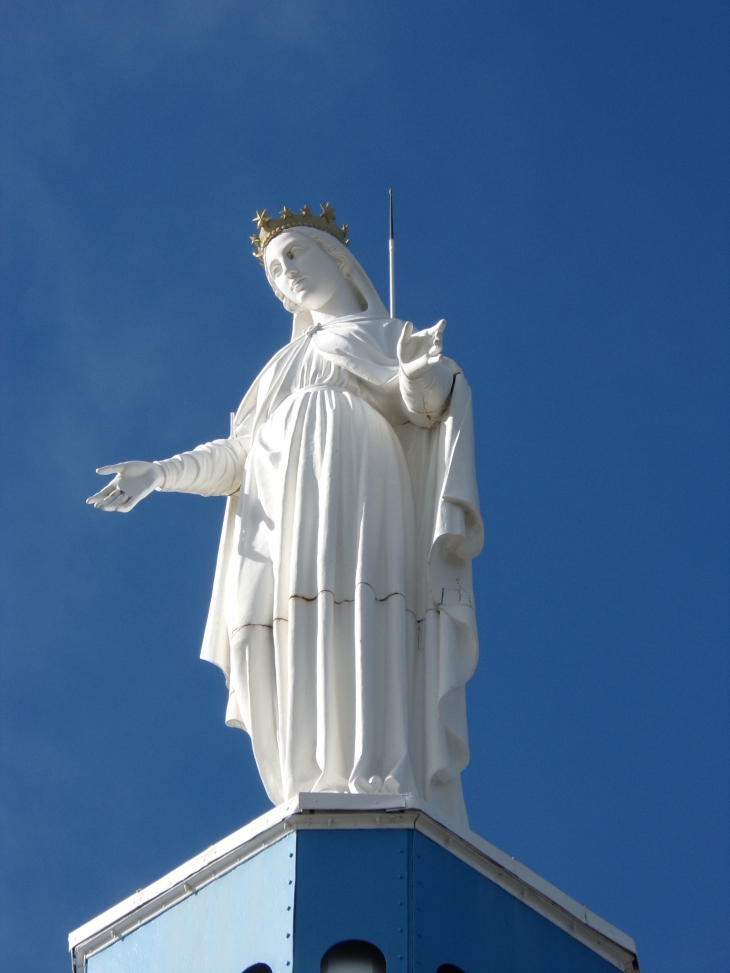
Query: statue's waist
(353, 393)
(325, 387)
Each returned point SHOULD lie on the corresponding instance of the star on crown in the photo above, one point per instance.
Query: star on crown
(270, 227)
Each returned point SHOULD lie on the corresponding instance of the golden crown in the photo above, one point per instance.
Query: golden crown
(269, 227)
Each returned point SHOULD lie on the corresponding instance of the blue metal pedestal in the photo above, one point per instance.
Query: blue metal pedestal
(380, 873)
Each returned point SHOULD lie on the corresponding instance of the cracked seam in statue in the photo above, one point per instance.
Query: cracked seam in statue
(342, 611)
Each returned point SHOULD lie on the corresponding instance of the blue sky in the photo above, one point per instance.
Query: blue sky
(560, 172)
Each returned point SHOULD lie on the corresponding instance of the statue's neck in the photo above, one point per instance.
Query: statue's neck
(340, 305)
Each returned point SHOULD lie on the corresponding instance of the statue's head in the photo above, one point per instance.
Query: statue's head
(308, 264)
(307, 269)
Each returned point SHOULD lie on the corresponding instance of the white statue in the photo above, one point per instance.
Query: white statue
(342, 611)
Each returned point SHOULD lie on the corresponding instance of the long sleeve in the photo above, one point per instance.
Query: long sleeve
(213, 469)
(426, 395)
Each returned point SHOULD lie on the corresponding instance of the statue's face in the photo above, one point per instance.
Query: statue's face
(302, 270)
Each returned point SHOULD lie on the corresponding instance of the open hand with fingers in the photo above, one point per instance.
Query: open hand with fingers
(133, 482)
(419, 350)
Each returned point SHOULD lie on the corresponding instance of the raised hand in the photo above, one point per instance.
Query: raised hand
(133, 482)
(419, 350)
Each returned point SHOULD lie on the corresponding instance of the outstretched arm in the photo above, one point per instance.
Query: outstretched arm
(425, 380)
(213, 469)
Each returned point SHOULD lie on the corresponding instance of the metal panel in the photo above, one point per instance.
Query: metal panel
(472, 906)
(241, 918)
(352, 885)
(336, 812)
(461, 917)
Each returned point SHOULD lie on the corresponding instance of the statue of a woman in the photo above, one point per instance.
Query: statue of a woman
(342, 611)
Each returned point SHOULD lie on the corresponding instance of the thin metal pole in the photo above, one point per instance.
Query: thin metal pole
(391, 254)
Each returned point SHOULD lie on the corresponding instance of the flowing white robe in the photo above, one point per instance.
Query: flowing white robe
(342, 610)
